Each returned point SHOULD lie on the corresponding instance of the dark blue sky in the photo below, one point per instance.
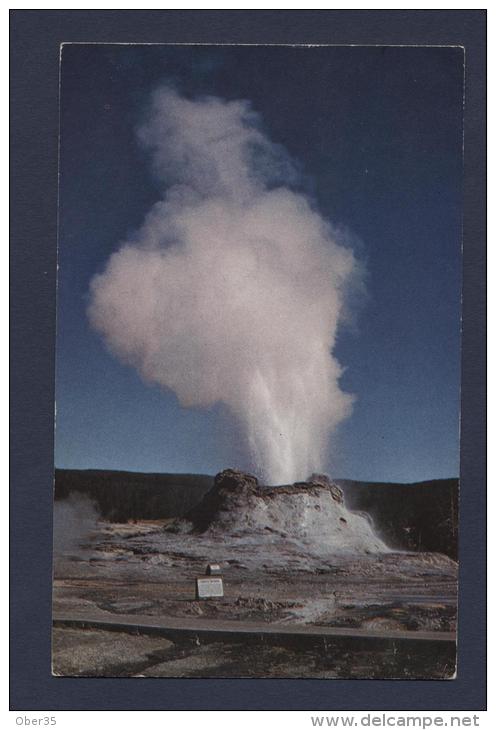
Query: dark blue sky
(378, 135)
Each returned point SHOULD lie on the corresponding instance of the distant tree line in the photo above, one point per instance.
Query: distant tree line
(121, 496)
(422, 516)
(418, 517)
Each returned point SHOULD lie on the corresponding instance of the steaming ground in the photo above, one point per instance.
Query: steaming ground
(281, 564)
(74, 524)
(234, 287)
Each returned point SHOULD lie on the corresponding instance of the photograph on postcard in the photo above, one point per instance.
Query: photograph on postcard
(258, 361)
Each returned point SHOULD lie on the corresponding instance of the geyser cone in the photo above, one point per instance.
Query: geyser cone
(311, 513)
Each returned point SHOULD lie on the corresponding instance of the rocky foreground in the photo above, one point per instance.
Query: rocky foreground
(289, 556)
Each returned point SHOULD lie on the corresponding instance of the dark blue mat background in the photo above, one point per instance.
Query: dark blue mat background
(35, 39)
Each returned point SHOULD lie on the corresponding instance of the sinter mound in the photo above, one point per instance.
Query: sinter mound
(312, 513)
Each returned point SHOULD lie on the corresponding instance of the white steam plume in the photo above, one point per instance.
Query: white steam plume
(74, 523)
(232, 290)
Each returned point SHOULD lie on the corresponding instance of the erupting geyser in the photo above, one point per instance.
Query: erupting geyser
(233, 288)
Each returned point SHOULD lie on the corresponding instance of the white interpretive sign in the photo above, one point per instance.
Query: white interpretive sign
(209, 588)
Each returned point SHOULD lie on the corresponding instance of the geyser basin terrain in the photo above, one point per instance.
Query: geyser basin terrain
(287, 559)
